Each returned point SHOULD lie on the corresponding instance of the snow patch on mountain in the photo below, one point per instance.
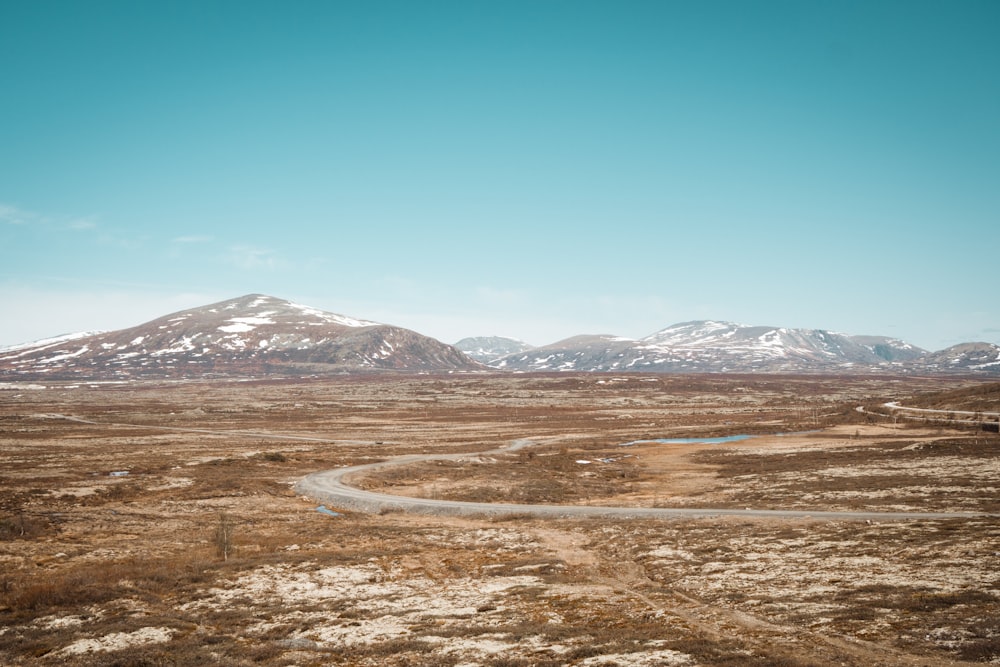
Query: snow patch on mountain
(332, 318)
(44, 343)
(244, 324)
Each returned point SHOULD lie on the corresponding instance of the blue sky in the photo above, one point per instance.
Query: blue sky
(529, 169)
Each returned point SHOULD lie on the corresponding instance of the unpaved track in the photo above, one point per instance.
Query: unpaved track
(897, 411)
(333, 487)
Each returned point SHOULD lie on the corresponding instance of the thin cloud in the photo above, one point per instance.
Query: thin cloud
(251, 258)
(13, 215)
(125, 242)
(83, 224)
(193, 239)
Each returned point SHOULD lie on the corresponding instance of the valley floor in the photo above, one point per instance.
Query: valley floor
(160, 527)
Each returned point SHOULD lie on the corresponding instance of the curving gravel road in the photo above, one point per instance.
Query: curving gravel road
(333, 487)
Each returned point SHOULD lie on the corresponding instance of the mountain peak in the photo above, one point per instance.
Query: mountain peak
(253, 334)
(254, 309)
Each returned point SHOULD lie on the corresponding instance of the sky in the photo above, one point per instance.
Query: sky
(534, 169)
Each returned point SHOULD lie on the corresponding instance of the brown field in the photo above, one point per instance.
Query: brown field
(159, 525)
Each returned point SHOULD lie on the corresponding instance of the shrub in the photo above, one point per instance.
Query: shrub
(224, 536)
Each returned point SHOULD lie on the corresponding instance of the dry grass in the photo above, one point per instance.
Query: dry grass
(103, 568)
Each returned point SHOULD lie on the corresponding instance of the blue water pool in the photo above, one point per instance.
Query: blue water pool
(709, 441)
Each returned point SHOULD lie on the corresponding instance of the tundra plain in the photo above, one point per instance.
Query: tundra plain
(156, 523)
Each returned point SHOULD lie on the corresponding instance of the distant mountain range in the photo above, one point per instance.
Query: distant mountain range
(490, 349)
(725, 347)
(719, 347)
(258, 335)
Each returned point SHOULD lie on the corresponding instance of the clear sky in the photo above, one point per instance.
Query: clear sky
(527, 169)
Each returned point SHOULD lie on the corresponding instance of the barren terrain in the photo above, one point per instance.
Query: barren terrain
(156, 523)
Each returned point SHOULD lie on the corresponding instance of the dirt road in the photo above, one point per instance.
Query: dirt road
(333, 487)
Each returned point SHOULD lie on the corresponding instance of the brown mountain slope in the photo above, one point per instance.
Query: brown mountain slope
(247, 336)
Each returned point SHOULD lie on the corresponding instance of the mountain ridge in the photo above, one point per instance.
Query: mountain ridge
(715, 346)
(259, 335)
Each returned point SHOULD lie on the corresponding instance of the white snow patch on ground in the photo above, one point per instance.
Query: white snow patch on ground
(492, 644)
(381, 605)
(660, 658)
(359, 632)
(667, 552)
(119, 640)
(55, 622)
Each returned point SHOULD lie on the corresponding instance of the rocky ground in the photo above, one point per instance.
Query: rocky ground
(154, 524)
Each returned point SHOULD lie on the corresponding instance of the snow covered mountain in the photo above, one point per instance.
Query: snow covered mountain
(486, 349)
(579, 353)
(709, 346)
(965, 357)
(249, 336)
(257, 335)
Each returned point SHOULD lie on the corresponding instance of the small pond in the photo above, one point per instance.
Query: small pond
(707, 441)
